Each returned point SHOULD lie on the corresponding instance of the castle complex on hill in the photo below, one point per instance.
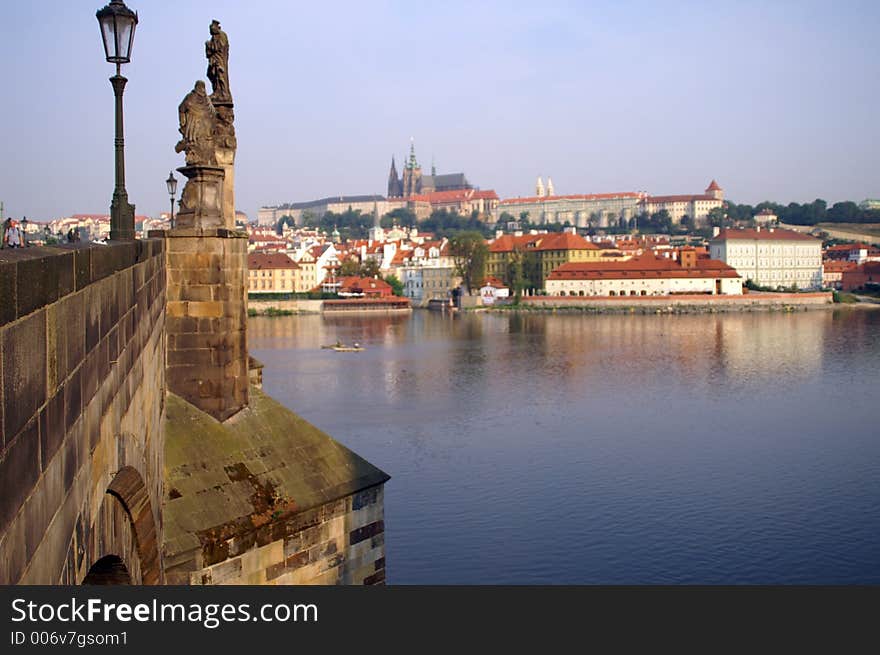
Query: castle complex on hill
(413, 183)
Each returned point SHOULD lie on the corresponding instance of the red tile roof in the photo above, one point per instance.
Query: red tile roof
(646, 265)
(543, 242)
(684, 198)
(260, 260)
(587, 196)
(713, 187)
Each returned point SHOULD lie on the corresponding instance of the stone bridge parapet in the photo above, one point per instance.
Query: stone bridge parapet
(82, 383)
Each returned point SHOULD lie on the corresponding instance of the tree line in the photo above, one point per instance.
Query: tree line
(808, 213)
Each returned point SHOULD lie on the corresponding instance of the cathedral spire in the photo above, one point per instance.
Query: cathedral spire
(395, 188)
(539, 187)
(412, 163)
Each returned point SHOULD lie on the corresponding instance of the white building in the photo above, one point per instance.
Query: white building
(645, 275)
(771, 257)
(766, 218)
(695, 207)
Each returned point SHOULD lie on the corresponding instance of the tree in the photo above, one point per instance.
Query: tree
(514, 276)
(716, 217)
(400, 216)
(369, 268)
(395, 283)
(284, 220)
(349, 268)
(469, 252)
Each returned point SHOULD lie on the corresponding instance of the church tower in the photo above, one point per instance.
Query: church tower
(539, 187)
(715, 191)
(395, 189)
(550, 190)
(412, 174)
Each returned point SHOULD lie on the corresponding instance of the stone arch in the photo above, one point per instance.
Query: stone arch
(109, 570)
(129, 490)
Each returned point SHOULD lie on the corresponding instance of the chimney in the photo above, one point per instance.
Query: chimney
(688, 258)
(758, 229)
(716, 231)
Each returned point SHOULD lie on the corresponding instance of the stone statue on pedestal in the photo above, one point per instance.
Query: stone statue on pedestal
(208, 139)
(197, 125)
(217, 52)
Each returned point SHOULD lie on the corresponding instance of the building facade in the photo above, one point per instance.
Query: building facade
(584, 210)
(694, 207)
(646, 275)
(771, 257)
(536, 255)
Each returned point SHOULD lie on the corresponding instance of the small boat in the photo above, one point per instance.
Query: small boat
(342, 348)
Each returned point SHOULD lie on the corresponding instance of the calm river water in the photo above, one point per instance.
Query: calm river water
(558, 449)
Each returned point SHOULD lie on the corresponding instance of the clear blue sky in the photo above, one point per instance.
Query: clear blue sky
(776, 100)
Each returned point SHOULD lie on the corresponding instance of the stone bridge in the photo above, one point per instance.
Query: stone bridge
(82, 352)
(132, 448)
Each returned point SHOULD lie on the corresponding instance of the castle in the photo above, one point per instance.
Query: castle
(413, 183)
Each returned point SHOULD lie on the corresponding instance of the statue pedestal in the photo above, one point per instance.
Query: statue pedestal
(201, 204)
(226, 160)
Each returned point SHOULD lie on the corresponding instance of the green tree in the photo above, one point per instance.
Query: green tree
(514, 276)
(284, 220)
(469, 252)
(349, 267)
(717, 217)
(395, 283)
(369, 268)
(400, 216)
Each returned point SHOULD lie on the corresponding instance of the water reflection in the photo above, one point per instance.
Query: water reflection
(714, 448)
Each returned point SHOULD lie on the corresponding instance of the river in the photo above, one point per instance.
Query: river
(611, 449)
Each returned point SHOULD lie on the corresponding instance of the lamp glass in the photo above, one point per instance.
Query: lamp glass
(117, 31)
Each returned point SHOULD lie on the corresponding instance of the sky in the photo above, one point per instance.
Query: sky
(776, 100)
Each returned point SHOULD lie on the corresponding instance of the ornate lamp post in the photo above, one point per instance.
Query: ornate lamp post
(117, 24)
(171, 182)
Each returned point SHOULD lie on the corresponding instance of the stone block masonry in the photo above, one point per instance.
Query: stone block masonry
(82, 381)
(267, 498)
(207, 318)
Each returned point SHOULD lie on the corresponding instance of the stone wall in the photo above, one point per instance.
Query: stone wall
(82, 355)
(266, 498)
(709, 303)
(342, 542)
(299, 306)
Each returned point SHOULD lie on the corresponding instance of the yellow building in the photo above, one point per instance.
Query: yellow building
(271, 273)
(538, 255)
(307, 273)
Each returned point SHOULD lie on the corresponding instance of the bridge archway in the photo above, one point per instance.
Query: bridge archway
(123, 544)
(109, 570)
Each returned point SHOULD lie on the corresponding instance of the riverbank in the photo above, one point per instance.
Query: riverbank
(682, 304)
(348, 305)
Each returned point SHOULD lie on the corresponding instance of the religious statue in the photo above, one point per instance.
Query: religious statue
(224, 130)
(197, 124)
(217, 52)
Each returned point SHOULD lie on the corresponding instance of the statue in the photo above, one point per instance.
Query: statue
(197, 124)
(224, 130)
(217, 52)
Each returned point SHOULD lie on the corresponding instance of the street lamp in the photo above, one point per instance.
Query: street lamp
(117, 23)
(172, 190)
(24, 224)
